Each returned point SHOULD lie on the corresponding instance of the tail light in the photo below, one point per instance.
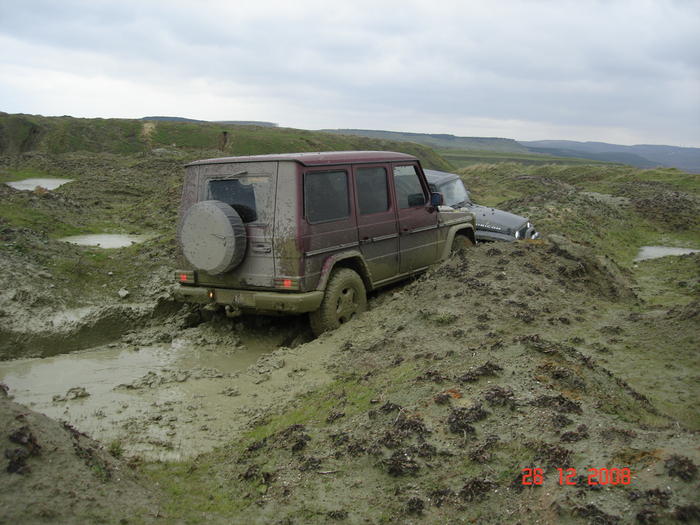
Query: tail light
(286, 283)
(184, 277)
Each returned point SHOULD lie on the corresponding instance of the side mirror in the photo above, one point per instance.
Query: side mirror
(436, 199)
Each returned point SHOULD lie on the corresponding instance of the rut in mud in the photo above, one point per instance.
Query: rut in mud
(170, 389)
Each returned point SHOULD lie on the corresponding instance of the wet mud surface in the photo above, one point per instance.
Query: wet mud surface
(168, 398)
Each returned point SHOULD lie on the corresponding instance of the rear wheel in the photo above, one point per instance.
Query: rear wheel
(460, 244)
(344, 299)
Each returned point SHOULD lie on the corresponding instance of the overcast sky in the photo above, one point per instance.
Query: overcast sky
(626, 72)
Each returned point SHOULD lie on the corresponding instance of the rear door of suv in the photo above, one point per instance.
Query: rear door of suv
(376, 221)
(329, 216)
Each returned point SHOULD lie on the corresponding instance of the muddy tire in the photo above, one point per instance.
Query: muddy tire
(344, 299)
(460, 244)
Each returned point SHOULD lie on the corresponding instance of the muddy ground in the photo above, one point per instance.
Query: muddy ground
(547, 354)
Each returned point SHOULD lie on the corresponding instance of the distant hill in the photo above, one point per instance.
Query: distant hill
(234, 122)
(641, 155)
(468, 150)
(440, 141)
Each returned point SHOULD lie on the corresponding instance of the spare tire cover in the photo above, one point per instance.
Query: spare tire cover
(213, 237)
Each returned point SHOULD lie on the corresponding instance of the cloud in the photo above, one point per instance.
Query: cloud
(622, 69)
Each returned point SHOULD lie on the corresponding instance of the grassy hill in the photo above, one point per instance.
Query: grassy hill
(235, 122)
(464, 158)
(441, 140)
(57, 135)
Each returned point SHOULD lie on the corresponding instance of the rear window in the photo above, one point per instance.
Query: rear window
(246, 194)
(326, 196)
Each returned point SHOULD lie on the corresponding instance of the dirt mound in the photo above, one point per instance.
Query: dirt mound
(656, 201)
(600, 274)
(75, 329)
(53, 473)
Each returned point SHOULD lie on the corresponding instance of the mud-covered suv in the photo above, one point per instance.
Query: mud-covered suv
(309, 232)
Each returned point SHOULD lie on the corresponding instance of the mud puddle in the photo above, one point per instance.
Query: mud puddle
(654, 252)
(32, 184)
(167, 401)
(106, 240)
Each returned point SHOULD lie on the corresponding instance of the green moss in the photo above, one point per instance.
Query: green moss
(196, 490)
(19, 215)
(314, 407)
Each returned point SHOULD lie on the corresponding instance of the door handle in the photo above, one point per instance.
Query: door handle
(262, 248)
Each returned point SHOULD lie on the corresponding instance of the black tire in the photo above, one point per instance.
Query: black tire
(345, 298)
(460, 244)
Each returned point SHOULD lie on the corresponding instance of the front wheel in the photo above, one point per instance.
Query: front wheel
(345, 298)
(460, 244)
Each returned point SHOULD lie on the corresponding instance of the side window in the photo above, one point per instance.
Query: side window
(372, 190)
(326, 196)
(409, 192)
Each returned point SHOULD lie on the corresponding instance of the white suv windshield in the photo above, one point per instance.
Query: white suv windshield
(454, 193)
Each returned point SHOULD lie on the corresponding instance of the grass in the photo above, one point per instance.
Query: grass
(315, 407)
(10, 175)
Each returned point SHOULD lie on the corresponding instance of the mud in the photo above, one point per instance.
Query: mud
(53, 473)
(69, 330)
(169, 400)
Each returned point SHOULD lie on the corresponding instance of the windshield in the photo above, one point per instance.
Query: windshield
(455, 193)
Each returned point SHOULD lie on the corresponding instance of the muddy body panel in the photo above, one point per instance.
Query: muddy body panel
(252, 301)
(259, 179)
(286, 245)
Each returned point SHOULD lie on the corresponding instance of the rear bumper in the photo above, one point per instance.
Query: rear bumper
(250, 300)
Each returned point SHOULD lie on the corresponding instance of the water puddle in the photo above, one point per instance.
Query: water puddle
(151, 391)
(106, 240)
(32, 184)
(166, 401)
(654, 252)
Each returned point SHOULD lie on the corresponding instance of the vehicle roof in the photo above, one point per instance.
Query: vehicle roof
(321, 158)
(439, 177)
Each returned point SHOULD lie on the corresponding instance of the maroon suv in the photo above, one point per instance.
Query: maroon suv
(309, 232)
